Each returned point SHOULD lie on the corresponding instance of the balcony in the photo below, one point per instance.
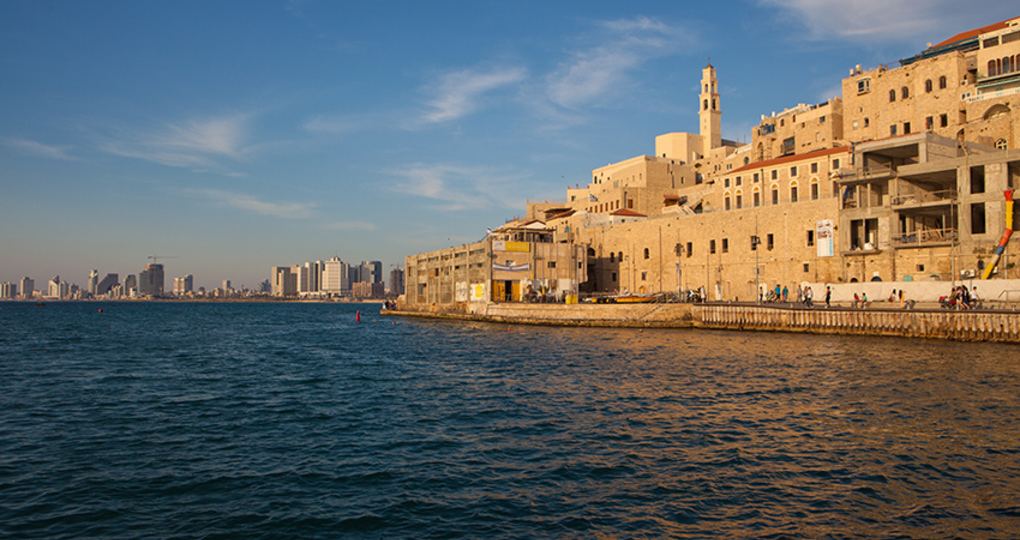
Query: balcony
(925, 238)
(922, 198)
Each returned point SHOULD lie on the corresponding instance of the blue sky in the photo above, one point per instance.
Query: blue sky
(237, 136)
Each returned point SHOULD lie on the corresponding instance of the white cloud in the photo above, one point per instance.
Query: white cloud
(459, 93)
(195, 143)
(623, 46)
(888, 20)
(39, 149)
(290, 210)
(460, 188)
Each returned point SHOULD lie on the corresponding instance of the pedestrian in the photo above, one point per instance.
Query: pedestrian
(892, 297)
(864, 300)
(808, 296)
(778, 292)
(800, 294)
(786, 292)
(828, 296)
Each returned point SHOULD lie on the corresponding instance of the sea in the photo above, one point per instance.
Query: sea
(295, 420)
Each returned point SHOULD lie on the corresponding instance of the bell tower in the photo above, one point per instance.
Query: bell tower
(711, 130)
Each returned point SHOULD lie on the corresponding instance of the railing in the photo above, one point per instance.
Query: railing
(923, 197)
(925, 237)
(992, 95)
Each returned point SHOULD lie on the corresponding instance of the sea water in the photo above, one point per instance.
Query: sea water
(234, 420)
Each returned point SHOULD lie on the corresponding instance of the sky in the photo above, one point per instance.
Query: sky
(227, 137)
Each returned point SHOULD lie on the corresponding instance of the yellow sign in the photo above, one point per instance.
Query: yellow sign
(518, 246)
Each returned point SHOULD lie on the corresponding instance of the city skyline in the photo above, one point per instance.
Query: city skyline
(238, 137)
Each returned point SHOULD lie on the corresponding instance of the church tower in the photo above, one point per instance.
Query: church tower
(711, 130)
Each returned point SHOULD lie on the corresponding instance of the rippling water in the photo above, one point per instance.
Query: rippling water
(293, 421)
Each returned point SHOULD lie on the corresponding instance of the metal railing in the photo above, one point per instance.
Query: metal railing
(925, 236)
(923, 197)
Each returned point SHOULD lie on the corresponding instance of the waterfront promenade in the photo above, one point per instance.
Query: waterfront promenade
(923, 322)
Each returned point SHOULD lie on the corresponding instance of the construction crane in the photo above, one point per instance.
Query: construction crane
(156, 258)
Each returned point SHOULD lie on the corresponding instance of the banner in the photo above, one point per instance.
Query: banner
(511, 267)
(825, 238)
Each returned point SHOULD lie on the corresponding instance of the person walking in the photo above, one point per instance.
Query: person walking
(808, 295)
(828, 296)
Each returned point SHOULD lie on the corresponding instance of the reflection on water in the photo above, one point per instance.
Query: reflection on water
(278, 421)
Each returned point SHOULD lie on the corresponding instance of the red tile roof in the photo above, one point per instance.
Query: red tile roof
(972, 33)
(625, 212)
(790, 159)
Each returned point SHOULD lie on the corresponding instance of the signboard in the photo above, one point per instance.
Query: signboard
(825, 238)
(503, 245)
(477, 292)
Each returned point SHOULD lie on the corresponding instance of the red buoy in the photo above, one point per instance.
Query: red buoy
(357, 316)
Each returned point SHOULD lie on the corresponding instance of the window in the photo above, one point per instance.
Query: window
(835, 163)
(726, 244)
(756, 177)
(757, 198)
(754, 243)
(726, 182)
(892, 130)
(711, 247)
(775, 194)
(942, 82)
(612, 276)
(977, 218)
(726, 203)
(807, 267)
(739, 181)
(892, 95)
(867, 122)
(770, 241)
(814, 191)
(977, 179)
(928, 86)
(906, 128)
(644, 276)
(619, 255)
(690, 249)
(814, 168)
(863, 86)
(775, 174)
(793, 171)
(944, 120)
(810, 238)
(612, 257)
(929, 122)
(646, 253)
(1000, 144)
(552, 264)
(630, 203)
(793, 193)
(904, 93)
(740, 200)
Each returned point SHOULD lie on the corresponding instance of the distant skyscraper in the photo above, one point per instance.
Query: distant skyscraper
(53, 287)
(8, 290)
(106, 285)
(335, 277)
(397, 281)
(226, 285)
(27, 287)
(284, 281)
(130, 285)
(150, 280)
(93, 281)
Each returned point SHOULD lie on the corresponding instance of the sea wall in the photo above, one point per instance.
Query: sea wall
(980, 325)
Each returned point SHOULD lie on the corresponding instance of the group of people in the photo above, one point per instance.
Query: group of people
(804, 295)
(962, 298)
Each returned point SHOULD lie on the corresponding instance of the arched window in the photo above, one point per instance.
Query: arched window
(740, 199)
(612, 257)
(904, 92)
(706, 104)
(928, 86)
(793, 191)
(726, 201)
(942, 82)
(892, 95)
(1000, 144)
(756, 196)
(991, 69)
(814, 189)
(646, 253)
(775, 193)
(747, 160)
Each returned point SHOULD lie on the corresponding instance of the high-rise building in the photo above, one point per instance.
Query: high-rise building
(284, 281)
(93, 281)
(130, 285)
(335, 278)
(106, 285)
(27, 287)
(53, 289)
(150, 280)
(370, 272)
(183, 285)
(8, 290)
(397, 281)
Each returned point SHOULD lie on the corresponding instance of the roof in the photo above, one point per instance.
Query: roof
(972, 33)
(561, 215)
(790, 159)
(626, 213)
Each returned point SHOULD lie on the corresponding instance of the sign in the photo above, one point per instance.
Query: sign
(510, 266)
(504, 245)
(825, 238)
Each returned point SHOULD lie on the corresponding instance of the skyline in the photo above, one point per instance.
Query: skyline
(239, 137)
